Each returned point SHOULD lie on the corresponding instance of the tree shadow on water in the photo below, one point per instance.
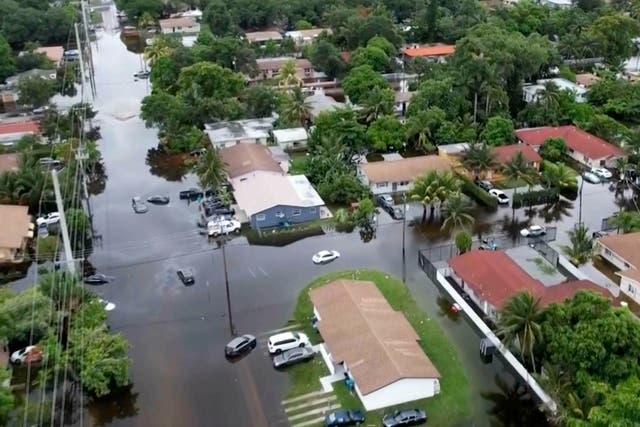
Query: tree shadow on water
(513, 406)
(119, 405)
(171, 167)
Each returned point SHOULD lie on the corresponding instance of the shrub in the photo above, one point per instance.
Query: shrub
(537, 197)
(463, 242)
(478, 194)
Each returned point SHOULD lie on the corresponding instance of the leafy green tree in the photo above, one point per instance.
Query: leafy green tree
(303, 25)
(518, 170)
(520, 323)
(166, 69)
(326, 57)
(365, 212)
(621, 406)
(373, 56)
(24, 313)
(479, 159)
(626, 221)
(28, 60)
(379, 101)
(6, 397)
(433, 189)
(79, 227)
(66, 291)
(341, 186)
(352, 29)
(136, 8)
(440, 93)
(339, 133)
(260, 101)
(554, 149)
(463, 241)
(211, 170)
(210, 81)
(295, 110)
(7, 64)
(498, 131)
(581, 249)
(156, 51)
(559, 176)
(457, 212)
(160, 109)
(35, 91)
(360, 81)
(386, 133)
(219, 19)
(614, 33)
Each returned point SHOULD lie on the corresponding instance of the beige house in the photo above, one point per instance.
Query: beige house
(262, 37)
(16, 229)
(391, 176)
(304, 37)
(623, 251)
(181, 25)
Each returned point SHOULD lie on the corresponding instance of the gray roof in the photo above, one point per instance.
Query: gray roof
(45, 74)
(319, 103)
(282, 136)
(222, 132)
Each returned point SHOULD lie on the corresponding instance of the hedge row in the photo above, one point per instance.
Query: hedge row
(537, 197)
(472, 190)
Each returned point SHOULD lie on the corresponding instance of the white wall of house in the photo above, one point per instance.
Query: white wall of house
(613, 258)
(179, 30)
(484, 305)
(232, 142)
(388, 187)
(401, 391)
(593, 163)
(631, 288)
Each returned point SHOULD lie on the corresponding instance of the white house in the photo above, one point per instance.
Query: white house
(291, 138)
(304, 37)
(391, 176)
(374, 344)
(557, 4)
(623, 251)
(180, 25)
(532, 92)
(228, 134)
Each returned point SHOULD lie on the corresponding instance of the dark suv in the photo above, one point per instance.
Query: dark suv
(485, 185)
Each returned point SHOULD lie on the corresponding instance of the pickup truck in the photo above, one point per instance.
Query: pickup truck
(218, 228)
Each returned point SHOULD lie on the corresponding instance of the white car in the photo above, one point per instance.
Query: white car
(533, 231)
(591, 177)
(29, 354)
(218, 228)
(108, 306)
(602, 173)
(503, 199)
(286, 341)
(324, 257)
(49, 219)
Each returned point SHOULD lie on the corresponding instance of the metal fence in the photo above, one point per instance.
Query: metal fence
(427, 266)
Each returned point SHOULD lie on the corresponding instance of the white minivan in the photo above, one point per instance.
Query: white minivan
(286, 341)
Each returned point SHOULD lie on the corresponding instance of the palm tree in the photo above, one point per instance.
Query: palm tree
(342, 217)
(419, 131)
(156, 51)
(559, 176)
(478, 158)
(295, 108)
(423, 191)
(517, 169)
(211, 170)
(519, 324)
(581, 249)
(627, 221)
(288, 75)
(457, 212)
(377, 103)
(10, 191)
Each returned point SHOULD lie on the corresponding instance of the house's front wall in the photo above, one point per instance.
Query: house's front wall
(609, 162)
(484, 305)
(279, 214)
(179, 30)
(300, 143)
(631, 288)
(401, 391)
(612, 257)
(8, 254)
(389, 187)
(233, 142)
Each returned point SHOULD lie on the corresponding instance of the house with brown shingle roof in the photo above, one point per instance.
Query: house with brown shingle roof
(391, 176)
(248, 159)
(180, 25)
(374, 344)
(16, 229)
(623, 252)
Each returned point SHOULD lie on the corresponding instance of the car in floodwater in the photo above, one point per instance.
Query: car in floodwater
(324, 257)
(240, 346)
(97, 279)
(158, 200)
(138, 206)
(186, 276)
(533, 231)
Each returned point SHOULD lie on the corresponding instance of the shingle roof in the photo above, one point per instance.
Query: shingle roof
(14, 227)
(434, 50)
(245, 158)
(626, 246)
(566, 290)
(505, 153)
(20, 127)
(277, 63)
(54, 53)
(8, 162)
(377, 343)
(404, 170)
(575, 138)
(262, 36)
(183, 21)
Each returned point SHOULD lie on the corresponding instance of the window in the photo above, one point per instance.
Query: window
(631, 289)
(381, 184)
(626, 265)
(607, 252)
(586, 159)
(279, 214)
(312, 210)
(571, 150)
(296, 212)
(260, 217)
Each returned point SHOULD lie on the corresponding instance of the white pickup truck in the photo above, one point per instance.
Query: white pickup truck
(227, 226)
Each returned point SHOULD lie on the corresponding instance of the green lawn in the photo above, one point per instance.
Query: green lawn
(450, 407)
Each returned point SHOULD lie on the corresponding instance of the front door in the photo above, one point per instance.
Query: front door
(394, 187)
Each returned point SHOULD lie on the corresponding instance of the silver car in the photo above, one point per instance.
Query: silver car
(293, 356)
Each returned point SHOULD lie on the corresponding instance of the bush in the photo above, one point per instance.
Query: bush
(478, 194)
(537, 197)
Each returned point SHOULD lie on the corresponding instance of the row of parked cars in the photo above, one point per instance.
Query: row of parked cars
(498, 194)
(597, 175)
(385, 201)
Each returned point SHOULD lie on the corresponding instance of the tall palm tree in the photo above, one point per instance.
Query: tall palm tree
(518, 169)
(378, 102)
(627, 221)
(519, 324)
(457, 212)
(424, 191)
(288, 75)
(419, 131)
(478, 158)
(559, 176)
(581, 249)
(156, 51)
(295, 108)
(211, 170)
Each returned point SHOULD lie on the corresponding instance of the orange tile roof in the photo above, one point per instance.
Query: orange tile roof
(435, 50)
(578, 140)
(505, 153)
(20, 127)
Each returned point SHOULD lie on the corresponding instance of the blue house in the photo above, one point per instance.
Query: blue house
(270, 200)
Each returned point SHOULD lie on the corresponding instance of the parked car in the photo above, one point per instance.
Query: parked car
(533, 231)
(218, 228)
(591, 177)
(286, 341)
(29, 354)
(49, 219)
(138, 205)
(158, 200)
(143, 74)
(225, 211)
(384, 200)
(396, 213)
(192, 193)
(405, 417)
(49, 163)
(108, 306)
(324, 257)
(97, 279)
(485, 185)
(240, 345)
(293, 356)
(186, 276)
(598, 234)
(198, 152)
(602, 173)
(503, 199)
(344, 417)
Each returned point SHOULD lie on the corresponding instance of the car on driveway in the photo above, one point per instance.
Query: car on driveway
(405, 417)
(344, 417)
(293, 356)
(240, 345)
(503, 199)
(602, 173)
(49, 219)
(186, 276)
(533, 231)
(97, 279)
(384, 200)
(158, 200)
(598, 234)
(138, 206)
(324, 257)
(218, 228)
(591, 177)
(485, 185)
(286, 341)
(396, 213)
(192, 193)
(29, 354)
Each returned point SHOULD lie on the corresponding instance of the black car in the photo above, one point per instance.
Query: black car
(224, 211)
(384, 200)
(344, 418)
(485, 185)
(142, 74)
(97, 279)
(192, 193)
(186, 276)
(158, 200)
(405, 417)
(240, 345)
(598, 234)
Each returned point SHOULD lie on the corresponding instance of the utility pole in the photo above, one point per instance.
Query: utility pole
(88, 47)
(580, 203)
(82, 74)
(68, 254)
(404, 227)
(232, 329)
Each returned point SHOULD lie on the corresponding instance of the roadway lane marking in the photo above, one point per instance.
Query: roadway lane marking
(314, 412)
(311, 403)
(305, 396)
(263, 272)
(252, 273)
(314, 421)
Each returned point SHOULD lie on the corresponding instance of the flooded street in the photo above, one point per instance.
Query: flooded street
(177, 334)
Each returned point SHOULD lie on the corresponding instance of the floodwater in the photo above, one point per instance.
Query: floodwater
(177, 333)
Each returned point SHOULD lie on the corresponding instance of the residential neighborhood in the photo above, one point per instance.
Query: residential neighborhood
(319, 214)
